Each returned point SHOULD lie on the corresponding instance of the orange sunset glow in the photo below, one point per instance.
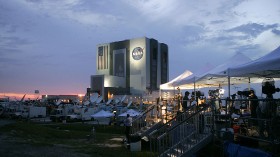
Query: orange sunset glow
(19, 96)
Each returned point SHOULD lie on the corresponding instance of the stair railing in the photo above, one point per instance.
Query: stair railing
(187, 135)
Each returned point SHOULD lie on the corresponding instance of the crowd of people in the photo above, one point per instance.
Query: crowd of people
(259, 112)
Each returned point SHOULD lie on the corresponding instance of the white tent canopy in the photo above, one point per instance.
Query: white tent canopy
(102, 114)
(217, 76)
(192, 78)
(131, 112)
(170, 85)
(266, 66)
(238, 70)
(249, 72)
(93, 97)
(99, 99)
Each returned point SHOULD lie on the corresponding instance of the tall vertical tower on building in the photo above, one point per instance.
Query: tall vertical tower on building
(135, 66)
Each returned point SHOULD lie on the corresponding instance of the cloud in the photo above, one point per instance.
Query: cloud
(201, 23)
(6, 60)
(192, 34)
(83, 12)
(12, 41)
(246, 48)
(258, 11)
(217, 21)
(276, 31)
(253, 29)
(154, 10)
(59, 38)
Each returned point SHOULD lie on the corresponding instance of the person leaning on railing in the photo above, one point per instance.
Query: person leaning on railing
(186, 101)
(128, 124)
(254, 103)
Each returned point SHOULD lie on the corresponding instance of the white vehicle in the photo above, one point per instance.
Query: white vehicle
(31, 112)
(20, 114)
(81, 114)
(36, 111)
(60, 114)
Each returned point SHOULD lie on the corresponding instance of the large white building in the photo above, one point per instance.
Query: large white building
(133, 67)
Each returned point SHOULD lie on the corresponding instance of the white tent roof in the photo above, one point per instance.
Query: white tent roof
(221, 70)
(99, 99)
(86, 103)
(102, 114)
(131, 112)
(109, 101)
(266, 66)
(219, 75)
(169, 85)
(122, 99)
(93, 97)
(216, 76)
(129, 104)
(58, 102)
(191, 79)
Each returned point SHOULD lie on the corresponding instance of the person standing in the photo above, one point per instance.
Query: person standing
(128, 124)
(186, 101)
(254, 103)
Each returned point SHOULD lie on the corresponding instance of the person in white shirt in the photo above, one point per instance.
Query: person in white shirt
(128, 124)
(193, 101)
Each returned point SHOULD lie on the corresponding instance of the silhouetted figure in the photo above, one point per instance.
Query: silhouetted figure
(254, 103)
(186, 101)
(128, 124)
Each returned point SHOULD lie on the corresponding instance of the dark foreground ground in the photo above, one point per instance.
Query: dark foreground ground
(26, 139)
(29, 139)
(11, 146)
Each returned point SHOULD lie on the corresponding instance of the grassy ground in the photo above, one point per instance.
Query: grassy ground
(75, 137)
(27, 139)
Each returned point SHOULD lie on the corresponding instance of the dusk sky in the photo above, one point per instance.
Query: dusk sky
(50, 45)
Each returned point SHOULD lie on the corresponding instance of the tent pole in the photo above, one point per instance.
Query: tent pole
(174, 91)
(227, 101)
(195, 92)
(194, 87)
(229, 87)
(249, 84)
(228, 84)
(159, 93)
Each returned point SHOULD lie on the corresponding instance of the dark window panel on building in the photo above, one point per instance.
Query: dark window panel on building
(154, 63)
(164, 63)
(102, 61)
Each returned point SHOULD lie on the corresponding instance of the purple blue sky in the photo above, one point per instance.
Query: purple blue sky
(50, 45)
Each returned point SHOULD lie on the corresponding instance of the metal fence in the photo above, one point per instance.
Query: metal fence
(186, 136)
(169, 125)
(249, 122)
(144, 121)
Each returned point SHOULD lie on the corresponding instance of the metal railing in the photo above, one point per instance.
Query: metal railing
(187, 136)
(168, 125)
(249, 122)
(144, 121)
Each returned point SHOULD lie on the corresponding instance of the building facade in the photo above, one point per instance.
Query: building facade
(132, 67)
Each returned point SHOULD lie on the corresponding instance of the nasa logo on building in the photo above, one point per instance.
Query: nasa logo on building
(137, 53)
